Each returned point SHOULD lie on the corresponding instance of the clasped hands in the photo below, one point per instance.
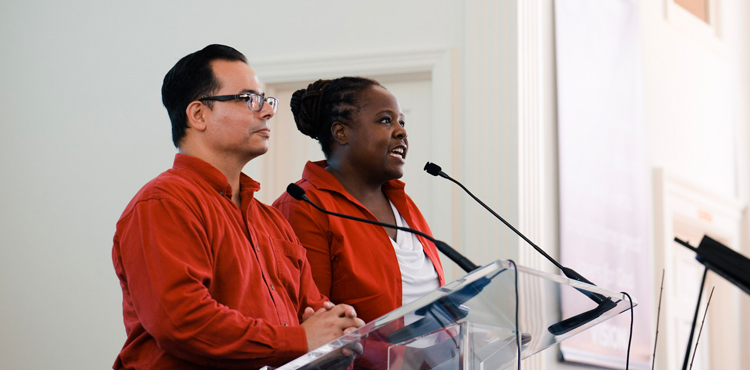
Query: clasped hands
(328, 323)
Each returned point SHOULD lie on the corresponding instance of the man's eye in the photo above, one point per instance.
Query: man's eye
(403, 123)
(385, 120)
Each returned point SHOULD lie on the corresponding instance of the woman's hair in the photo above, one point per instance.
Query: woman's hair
(324, 102)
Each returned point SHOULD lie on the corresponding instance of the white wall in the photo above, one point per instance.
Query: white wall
(83, 129)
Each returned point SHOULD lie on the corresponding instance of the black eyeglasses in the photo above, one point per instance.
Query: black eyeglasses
(254, 101)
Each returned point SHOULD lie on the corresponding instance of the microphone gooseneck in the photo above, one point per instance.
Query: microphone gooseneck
(298, 193)
(604, 304)
(435, 170)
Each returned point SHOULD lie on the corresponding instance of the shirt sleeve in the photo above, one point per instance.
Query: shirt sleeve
(315, 240)
(167, 261)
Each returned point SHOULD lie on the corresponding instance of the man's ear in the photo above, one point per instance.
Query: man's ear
(340, 132)
(196, 115)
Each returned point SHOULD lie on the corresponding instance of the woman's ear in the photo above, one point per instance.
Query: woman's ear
(196, 115)
(339, 131)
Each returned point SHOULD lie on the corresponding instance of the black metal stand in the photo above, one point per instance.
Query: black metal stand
(695, 319)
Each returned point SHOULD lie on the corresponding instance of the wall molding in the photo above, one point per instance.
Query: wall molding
(373, 63)
(530, 130)
(531, 153)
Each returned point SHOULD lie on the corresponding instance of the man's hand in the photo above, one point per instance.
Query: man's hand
(329, 323)
(309, 311)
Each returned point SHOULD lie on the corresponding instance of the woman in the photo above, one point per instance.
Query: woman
(360, 127)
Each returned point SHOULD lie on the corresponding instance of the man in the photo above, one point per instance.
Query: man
(211, 277)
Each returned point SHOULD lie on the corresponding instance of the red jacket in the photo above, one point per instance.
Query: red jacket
(206, 283)
(352, 262)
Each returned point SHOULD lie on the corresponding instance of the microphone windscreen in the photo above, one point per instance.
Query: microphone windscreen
(295, 191)
(432, 169)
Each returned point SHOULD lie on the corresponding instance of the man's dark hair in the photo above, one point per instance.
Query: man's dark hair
(191, 79)
(324, 102)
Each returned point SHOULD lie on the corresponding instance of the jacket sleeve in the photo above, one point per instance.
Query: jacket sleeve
(166, 257)
(314, 237)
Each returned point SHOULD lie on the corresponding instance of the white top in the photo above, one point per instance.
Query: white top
(418, 275)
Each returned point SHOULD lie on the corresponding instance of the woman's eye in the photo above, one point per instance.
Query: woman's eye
(403, 123)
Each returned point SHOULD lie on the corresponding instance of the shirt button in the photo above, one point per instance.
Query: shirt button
(285, 324)
(221, 193)
(272, 288)
(257, 249)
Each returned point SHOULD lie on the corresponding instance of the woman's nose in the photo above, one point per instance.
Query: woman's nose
(400, 132)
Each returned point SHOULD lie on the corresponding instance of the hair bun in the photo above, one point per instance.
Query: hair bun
(306, 107)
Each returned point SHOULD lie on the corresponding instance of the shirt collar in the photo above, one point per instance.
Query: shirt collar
(316, 173)
(210, 174)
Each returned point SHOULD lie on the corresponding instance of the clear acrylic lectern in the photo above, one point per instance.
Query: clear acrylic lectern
(468, 324)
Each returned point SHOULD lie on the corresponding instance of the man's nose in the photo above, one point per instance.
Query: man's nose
(267, 110)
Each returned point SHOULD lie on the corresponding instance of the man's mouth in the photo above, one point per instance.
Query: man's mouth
(266, 131)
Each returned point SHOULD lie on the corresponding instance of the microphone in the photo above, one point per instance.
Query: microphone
(298, 193)
(435, 170)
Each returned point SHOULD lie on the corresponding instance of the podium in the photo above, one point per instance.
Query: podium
(469, 324)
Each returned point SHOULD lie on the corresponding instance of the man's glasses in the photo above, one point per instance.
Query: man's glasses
(254, 101)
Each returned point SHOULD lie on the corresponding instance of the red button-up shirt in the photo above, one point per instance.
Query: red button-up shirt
(353, 262)
(206, 283)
